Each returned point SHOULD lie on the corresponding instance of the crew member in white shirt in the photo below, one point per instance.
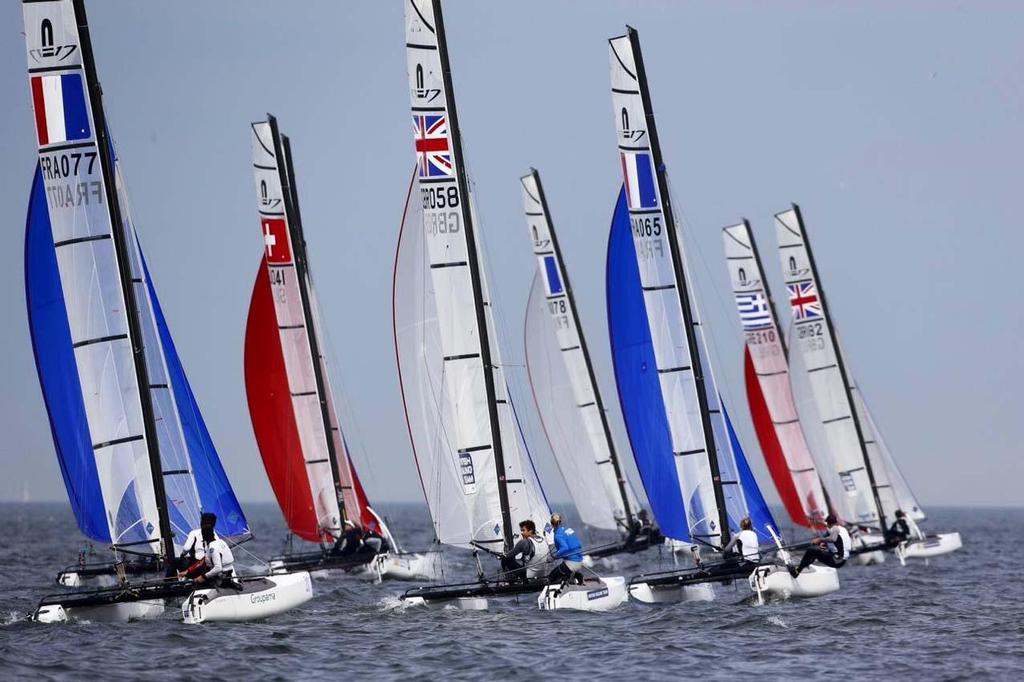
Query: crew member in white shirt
(744, 544)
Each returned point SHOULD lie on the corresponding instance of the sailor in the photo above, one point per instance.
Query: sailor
(193, 549)
(350, 542)
(374, 542)
(569, 550)
(218, 559)
(899, 531)
(744, 545)
(526, 559)
(832, 550)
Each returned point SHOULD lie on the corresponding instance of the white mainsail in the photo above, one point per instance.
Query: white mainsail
(90, 266)
(852, 479)
(766, 351)
(291, 322)
(683, 392)
(567, 397)
(474, 476)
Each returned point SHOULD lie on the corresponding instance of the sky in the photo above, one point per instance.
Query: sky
(895, 126)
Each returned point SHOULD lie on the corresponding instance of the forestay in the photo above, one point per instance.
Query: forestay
(463, 431)
(565, 392)
(845, 467)
(691, 438)
(770, 397)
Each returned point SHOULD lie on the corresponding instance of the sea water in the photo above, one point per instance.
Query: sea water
(956, 617)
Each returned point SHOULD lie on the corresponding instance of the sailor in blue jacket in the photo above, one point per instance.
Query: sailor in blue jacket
(569, 550)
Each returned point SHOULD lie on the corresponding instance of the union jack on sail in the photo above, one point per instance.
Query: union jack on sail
(803, 297)
(433, 151)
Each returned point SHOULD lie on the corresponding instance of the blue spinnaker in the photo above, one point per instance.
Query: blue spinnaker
(757, 508)
(58, 371)
(636, 377)
(215, 492)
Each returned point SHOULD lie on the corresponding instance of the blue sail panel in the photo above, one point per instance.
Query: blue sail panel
(215, 492)
(757, 508)
(58, 371)
(636, 377)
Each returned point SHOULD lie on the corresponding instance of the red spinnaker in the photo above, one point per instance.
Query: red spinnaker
(770, 446)
(272, 413)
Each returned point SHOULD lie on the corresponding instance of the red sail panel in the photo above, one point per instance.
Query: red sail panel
(272, 413)
(770, 446)
(367, 518)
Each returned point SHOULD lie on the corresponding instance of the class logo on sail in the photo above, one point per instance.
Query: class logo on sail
(47, 50)
(60, 108)
(266, 202)
(625, 132)
(422, 92)
(433, 151)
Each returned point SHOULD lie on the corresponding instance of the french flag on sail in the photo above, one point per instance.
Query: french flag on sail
(61, 112)
(638, 174)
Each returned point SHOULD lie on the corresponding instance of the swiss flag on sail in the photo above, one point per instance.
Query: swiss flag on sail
(275, 240)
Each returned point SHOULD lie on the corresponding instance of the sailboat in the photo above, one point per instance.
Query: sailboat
(135, 454)
(864, 483)
(291, 401)
(477, 476)
(690, 460)
(566, 393)
(769, 394)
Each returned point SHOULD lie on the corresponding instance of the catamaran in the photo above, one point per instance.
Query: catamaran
(769, 394)
(137, 460)
(291, 401)
(566, 393)
(688, 455)
(862, 478)
(476, 474)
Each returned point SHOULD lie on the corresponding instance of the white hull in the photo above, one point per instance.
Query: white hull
(775, 582)
(933, 545)
(868, 558)
(261, 598)
(403, 567)
(125, 612)
(603, 595)
(462, 603)
(671, 594)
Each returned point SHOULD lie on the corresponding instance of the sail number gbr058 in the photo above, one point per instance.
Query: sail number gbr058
(436, 200)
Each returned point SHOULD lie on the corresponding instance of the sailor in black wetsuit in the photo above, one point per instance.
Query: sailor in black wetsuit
(832, 550)
(350, 542)
(899, 531)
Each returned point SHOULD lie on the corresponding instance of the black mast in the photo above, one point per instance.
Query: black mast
(282, 150)
(681, 287)
(841, 365)
(124, 260)
(619, 477)
(474, 273)
(775, 321)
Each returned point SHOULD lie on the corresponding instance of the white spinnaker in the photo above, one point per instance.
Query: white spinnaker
(764, 341)
(176, 465)
(291, 323)
(91, 283)
(851, 491)
(566, 399)
(893, 490)
(663, 303)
